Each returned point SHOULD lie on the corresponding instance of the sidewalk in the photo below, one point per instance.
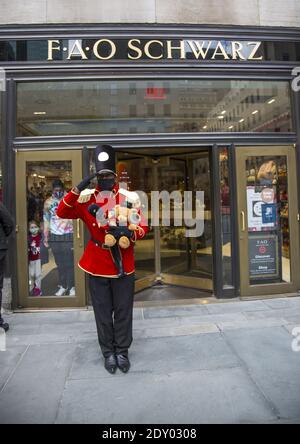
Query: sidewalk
(219, 362)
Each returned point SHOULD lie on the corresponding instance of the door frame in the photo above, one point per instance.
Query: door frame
(247, 289)
(24, 299)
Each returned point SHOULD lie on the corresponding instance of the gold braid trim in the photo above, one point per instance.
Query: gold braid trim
(70, 206)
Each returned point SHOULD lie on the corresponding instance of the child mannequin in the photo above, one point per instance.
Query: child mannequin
(34, 249)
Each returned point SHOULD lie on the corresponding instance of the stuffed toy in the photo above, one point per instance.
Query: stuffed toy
(124, 215)
(267, 172)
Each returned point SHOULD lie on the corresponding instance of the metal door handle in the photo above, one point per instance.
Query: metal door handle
(243, 220)
(78, 229)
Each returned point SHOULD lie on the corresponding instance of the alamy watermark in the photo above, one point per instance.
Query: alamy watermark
(296, 340)
(296, 80)
(159, 208)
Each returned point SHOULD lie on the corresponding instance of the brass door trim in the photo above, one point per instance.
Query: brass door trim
(266, 289)
(144, 283)
(24, 300)
(187, 281)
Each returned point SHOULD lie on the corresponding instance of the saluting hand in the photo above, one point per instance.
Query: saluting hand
(85, 182)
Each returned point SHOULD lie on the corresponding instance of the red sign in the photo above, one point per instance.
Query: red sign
(155, 93)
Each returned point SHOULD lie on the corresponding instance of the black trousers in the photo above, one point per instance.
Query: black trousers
(64, 259)
(112, 299)
(2, 264)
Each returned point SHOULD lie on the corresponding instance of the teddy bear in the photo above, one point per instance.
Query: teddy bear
(267, 172)
(123, 215)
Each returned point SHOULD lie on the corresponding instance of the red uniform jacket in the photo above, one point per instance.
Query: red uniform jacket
(97, 260)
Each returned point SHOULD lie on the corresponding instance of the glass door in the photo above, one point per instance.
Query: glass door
(187, 260)
(268, 220)
(48, 247)
(167, 254)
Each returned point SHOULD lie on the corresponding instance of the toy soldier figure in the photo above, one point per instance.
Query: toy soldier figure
(110, 268)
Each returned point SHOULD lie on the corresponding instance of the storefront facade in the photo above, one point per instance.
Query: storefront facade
(187, 108)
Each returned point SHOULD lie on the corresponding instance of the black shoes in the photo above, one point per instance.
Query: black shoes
(110, 364)
(123, 363)
(113, 361)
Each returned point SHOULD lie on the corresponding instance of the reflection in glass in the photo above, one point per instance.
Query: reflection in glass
(268, 219)
(225, 199)
(156, 106)
(50, 238)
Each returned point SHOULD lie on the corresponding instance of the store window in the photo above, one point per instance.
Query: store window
(50, 238)
(186, 105)
(268, 219)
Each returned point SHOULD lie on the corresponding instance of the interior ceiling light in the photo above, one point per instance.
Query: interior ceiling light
(241, 120)
(224, 111)
(271, 101)
(230, 127)
(220, 117)
(255, 111)
(38, 113)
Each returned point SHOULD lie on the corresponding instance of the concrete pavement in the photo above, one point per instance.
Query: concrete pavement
(228, 362)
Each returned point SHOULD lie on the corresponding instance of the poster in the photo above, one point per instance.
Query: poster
(261, 208)
(263, 256)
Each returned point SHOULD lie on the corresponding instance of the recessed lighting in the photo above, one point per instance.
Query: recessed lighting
(271, 101)
(204, 127)
(220, 117)
(241, 120)
(230, 127)
(224, 111)
(255, 111)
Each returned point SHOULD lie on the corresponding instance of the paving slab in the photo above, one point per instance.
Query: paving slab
(8, 362)
(33, 393)
(251, 324)
(164, 355)
(175, 311)
(181, 330)
(273, 365)
(52, 317)
(283, 313)
(215, 396)
(233, 307)
(282, 303)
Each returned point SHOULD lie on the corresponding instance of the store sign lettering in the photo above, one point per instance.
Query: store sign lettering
(106, 49)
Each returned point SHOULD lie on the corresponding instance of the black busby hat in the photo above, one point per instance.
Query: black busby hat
(105, 161)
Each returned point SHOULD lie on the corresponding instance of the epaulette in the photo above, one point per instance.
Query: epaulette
(85, 195)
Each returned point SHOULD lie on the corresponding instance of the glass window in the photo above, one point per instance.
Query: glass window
(88, 107)
(50, 238)
(268, 219)
(225, 199)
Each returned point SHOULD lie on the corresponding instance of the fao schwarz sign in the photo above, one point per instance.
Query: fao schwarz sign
(135, 49)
